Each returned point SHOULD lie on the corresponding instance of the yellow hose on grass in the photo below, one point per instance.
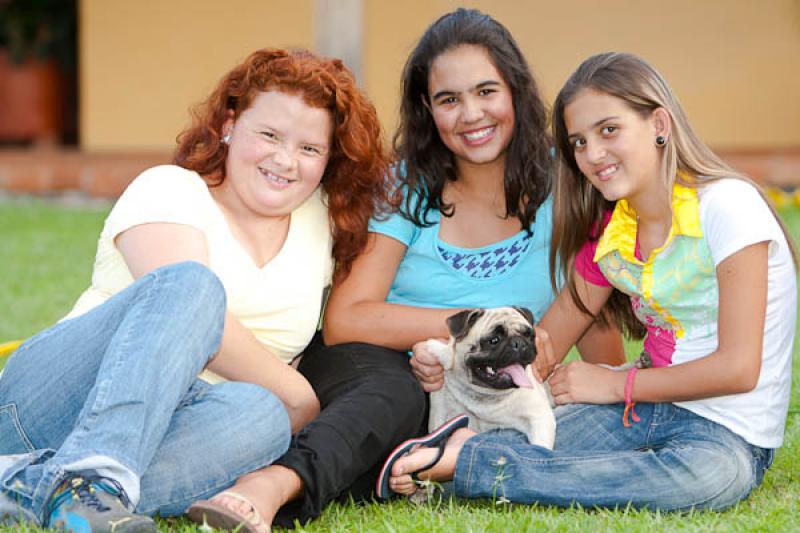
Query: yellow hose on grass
(7, 348)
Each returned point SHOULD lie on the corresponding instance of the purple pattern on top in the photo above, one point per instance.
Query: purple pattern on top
(488, 263)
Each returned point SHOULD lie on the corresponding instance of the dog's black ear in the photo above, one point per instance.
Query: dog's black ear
(524, 311)
(460, 323)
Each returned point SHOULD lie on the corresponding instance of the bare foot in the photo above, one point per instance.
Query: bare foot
(401, 482)
(268, 489)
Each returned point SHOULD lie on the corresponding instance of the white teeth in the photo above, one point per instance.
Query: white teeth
(476, 135)
(274, 178)
(607, 171)
(490, 370)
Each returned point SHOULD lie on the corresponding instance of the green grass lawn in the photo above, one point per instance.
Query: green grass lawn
(45, 262)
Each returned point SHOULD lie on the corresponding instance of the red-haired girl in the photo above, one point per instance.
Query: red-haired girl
(213, 266)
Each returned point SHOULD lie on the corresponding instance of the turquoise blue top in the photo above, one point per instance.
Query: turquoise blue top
(436, 274)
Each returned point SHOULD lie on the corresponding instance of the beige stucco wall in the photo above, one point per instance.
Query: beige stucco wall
(735, 64)
(143, 63)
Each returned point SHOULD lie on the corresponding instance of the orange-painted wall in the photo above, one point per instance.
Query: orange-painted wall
(735, 64)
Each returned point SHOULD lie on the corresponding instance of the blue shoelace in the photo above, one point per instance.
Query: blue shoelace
(84, 489)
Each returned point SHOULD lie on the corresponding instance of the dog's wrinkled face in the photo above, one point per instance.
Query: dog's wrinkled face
(493, 346)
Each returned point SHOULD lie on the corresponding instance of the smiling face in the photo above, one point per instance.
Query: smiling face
(471, 105)
(277, 153)
(614, 146)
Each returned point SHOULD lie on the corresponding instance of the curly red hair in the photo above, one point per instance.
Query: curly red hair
(354, 179)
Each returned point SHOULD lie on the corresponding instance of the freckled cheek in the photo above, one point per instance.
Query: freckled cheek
(251, 151)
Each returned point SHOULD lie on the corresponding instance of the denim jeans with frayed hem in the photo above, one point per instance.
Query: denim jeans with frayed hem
(115, 391)
(672, 460)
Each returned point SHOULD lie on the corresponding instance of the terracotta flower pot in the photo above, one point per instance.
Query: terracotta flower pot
(31, 101)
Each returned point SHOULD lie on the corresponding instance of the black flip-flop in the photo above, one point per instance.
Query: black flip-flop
(436, 439)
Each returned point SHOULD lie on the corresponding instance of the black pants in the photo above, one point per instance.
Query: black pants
(370, 403)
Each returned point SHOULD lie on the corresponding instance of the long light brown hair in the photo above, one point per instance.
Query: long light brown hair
(579, 208)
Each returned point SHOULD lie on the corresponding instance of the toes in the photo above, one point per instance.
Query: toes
(409, 488)
(403, 485)
(397, 468)
(228, 503)
(417, 458)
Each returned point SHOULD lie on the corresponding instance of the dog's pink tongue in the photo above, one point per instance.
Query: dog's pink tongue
(518, 375)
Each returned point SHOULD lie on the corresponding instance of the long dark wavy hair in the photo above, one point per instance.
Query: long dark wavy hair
(427, 164)
(354, 176)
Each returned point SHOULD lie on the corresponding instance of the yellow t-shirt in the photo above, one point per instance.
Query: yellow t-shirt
(279, 302)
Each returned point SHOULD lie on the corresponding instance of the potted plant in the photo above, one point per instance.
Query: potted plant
(37, 54)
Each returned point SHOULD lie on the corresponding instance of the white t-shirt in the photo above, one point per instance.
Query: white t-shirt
(279, 302)
(733, 215)
(675, 294)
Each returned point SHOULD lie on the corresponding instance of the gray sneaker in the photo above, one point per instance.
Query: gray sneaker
(94, 505)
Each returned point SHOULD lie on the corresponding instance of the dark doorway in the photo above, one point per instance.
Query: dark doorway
(38, 72)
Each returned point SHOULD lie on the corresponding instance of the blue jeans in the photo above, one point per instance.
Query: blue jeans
(672, 459)
(115, 392)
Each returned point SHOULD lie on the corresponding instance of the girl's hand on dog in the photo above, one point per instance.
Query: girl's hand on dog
(426, 367)
(581, 382)
(545, 359)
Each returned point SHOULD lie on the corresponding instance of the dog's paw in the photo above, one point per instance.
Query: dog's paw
(442, 351)
(436, 346)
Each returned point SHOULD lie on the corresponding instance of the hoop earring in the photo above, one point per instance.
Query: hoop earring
(661, 141)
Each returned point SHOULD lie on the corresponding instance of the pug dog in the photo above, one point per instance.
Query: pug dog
(488, 375)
